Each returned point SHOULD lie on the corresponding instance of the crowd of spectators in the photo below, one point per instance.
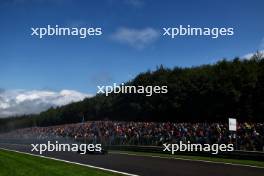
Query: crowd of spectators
(249, 136)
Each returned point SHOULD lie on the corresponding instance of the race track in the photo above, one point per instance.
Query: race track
(149, 166)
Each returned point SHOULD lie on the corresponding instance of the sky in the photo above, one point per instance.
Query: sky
(131, 43)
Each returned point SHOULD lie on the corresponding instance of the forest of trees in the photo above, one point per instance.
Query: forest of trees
(204, 93)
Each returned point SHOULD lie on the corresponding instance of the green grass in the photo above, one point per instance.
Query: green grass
(197, 158)
(17, 164)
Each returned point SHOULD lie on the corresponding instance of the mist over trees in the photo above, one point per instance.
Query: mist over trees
(204, 93)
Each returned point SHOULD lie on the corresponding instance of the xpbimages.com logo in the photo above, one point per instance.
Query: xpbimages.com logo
(57, 147)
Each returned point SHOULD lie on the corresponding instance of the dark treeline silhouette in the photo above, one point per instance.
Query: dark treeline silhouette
(205, 93)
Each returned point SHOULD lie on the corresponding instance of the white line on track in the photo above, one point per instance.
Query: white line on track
(185, 159)
(144, 155)
(80, 164)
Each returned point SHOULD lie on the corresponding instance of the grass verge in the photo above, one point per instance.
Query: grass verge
(17, 164)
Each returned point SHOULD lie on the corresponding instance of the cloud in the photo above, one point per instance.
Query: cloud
(249, 55)
(18, 102)
(260, 50)
(138, 38)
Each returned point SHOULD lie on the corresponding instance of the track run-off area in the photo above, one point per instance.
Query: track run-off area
(145, 165)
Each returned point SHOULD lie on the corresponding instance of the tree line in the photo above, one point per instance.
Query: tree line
(210, 93)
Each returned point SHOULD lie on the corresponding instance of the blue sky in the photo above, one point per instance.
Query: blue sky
(58, 63)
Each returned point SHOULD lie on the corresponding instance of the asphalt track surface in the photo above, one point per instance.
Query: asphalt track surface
(149, 166)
